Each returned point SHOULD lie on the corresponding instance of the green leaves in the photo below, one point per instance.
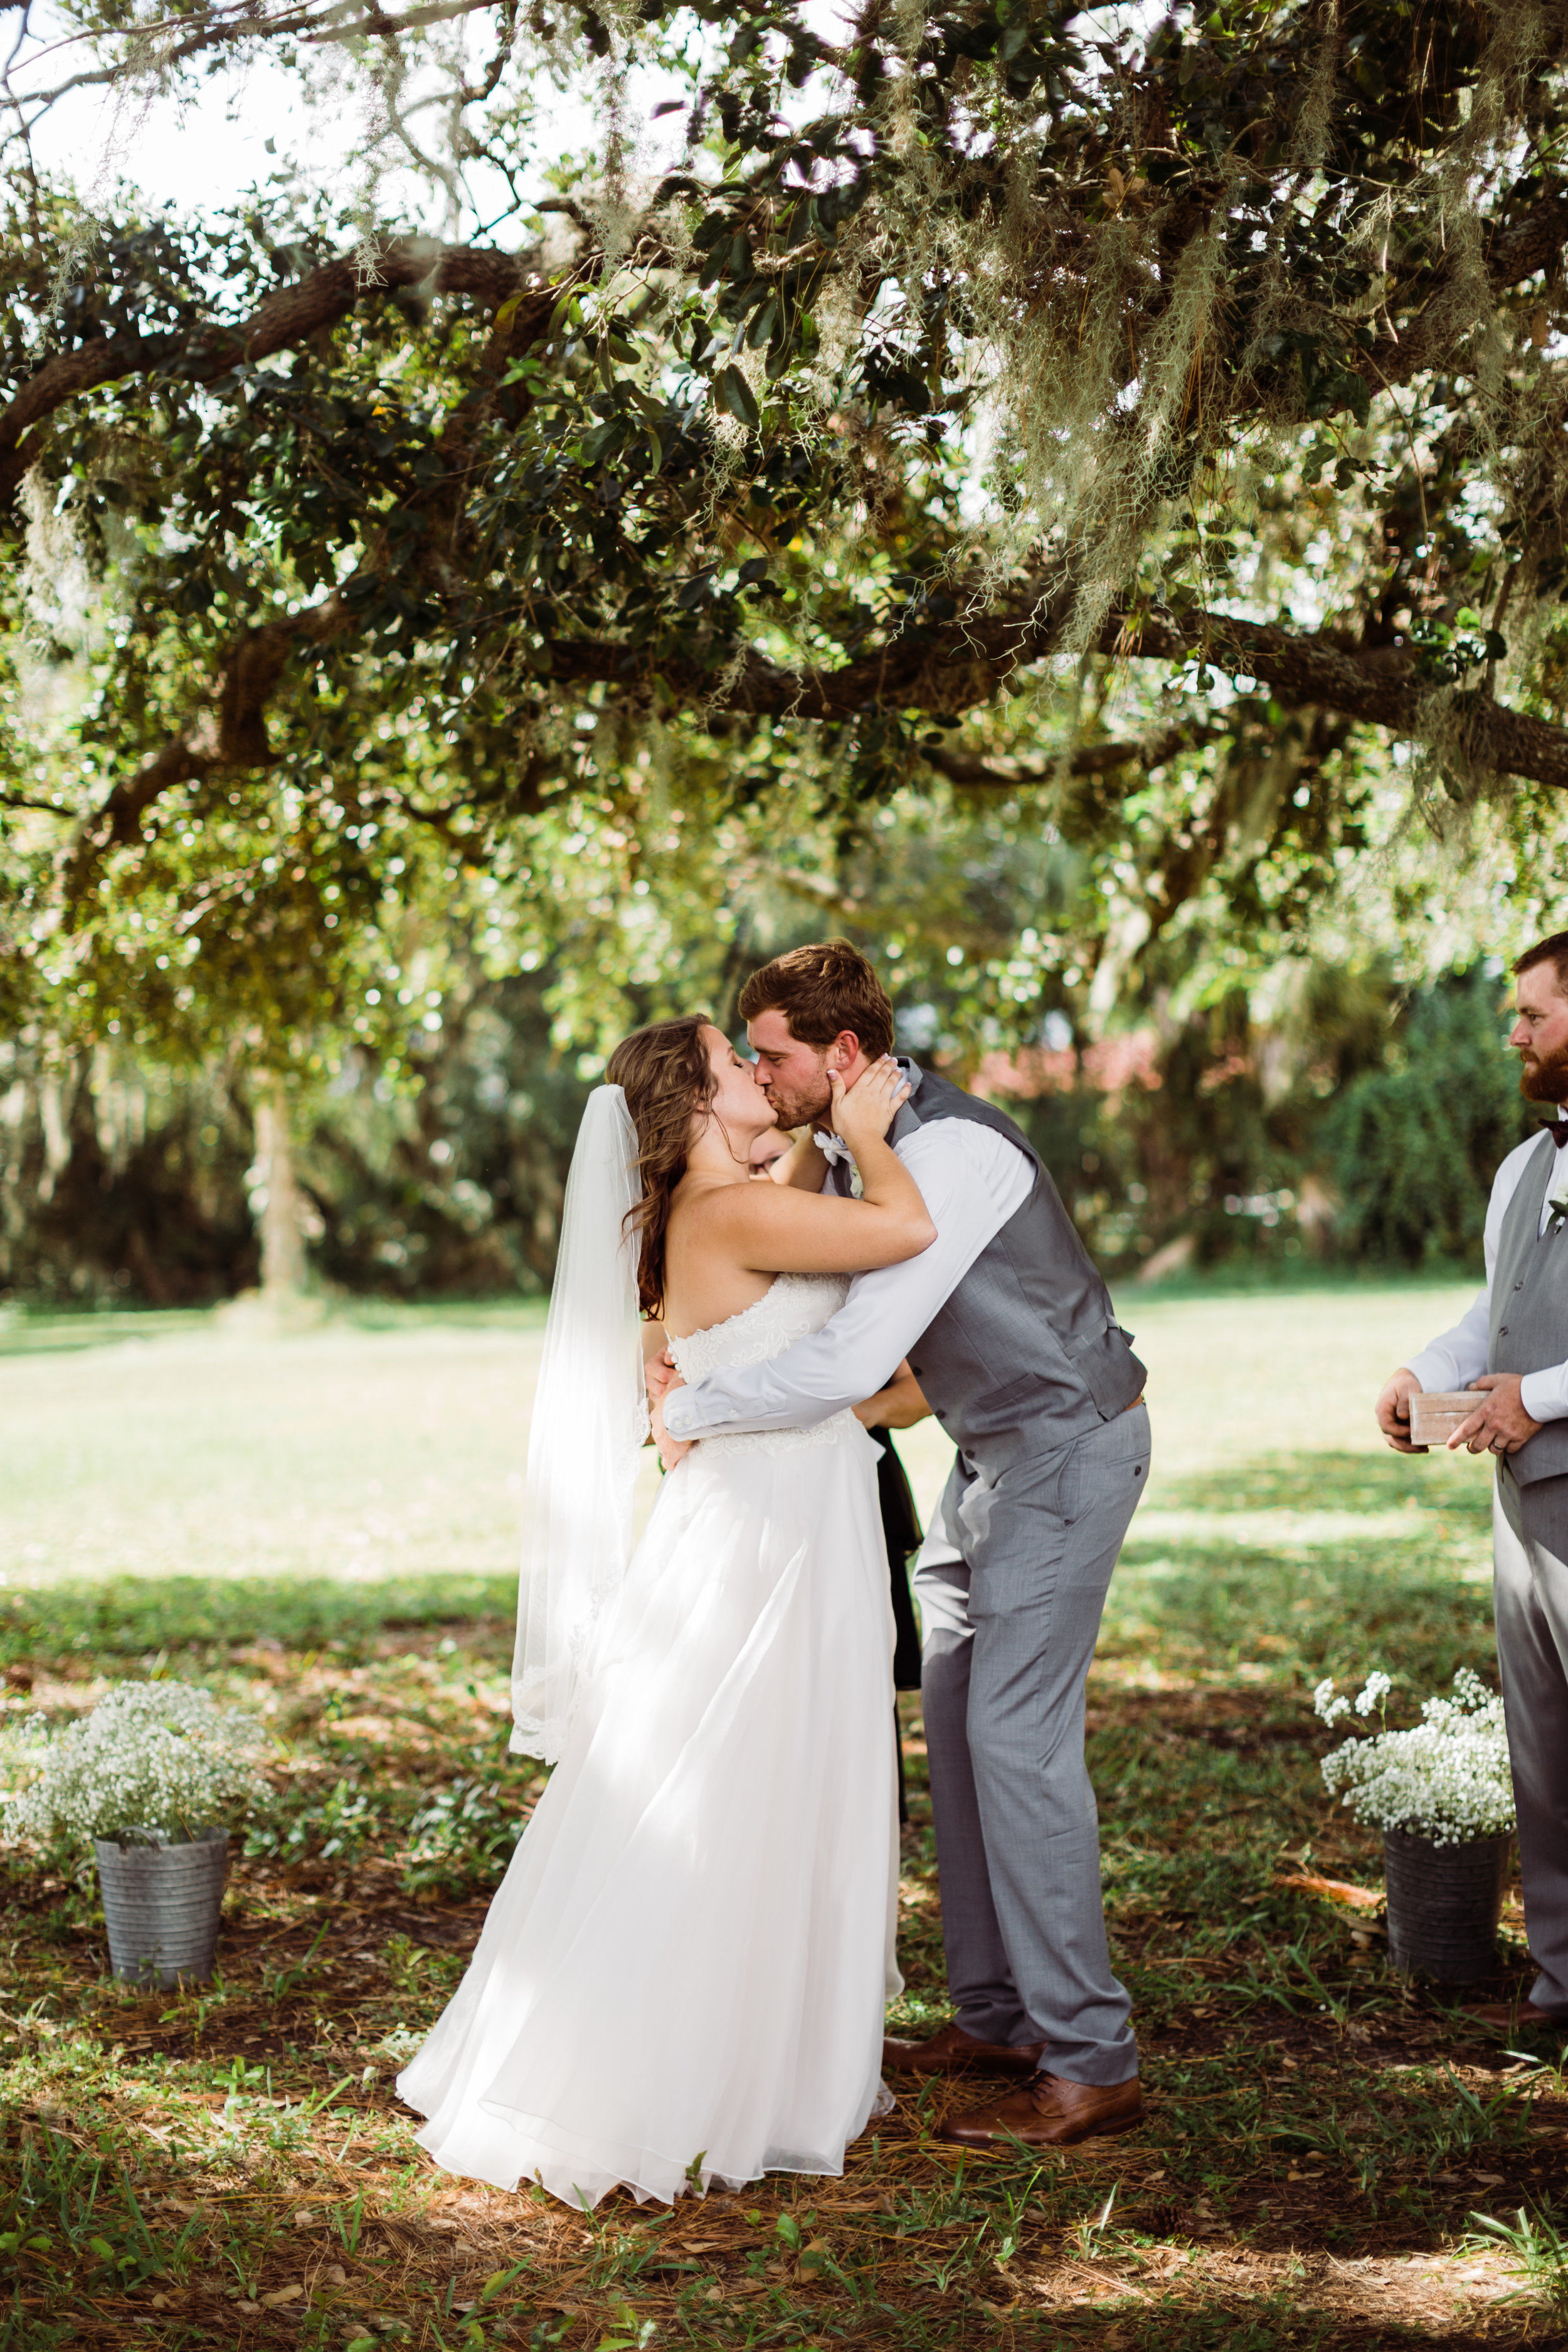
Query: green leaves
(735, 395)
(499, 503)
(630, 2334)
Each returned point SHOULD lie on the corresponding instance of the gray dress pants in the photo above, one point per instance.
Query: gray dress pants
(1009, 1632)
(1531, 1603)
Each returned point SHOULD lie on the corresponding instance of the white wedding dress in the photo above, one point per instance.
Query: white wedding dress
(682, 1975)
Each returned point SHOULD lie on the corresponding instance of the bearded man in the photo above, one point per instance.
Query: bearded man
(1511, 1345)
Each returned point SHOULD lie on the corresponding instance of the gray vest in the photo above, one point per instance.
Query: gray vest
(1026, 1355)
(1529, 1289)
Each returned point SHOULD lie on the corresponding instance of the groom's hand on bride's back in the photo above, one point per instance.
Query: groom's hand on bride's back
(671, 1449)
(660, 1374)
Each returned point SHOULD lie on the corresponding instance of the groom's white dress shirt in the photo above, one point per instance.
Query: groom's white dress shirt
(1460, 1355)
(971, 1181)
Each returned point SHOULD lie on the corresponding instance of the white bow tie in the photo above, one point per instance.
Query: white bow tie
(834, 1150)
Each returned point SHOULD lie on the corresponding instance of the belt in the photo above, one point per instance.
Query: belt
(1134, 1405)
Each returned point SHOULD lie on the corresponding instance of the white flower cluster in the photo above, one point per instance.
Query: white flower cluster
(1330, 1708)
(1446, 1779)
(1377, 1689)
(162, 1759)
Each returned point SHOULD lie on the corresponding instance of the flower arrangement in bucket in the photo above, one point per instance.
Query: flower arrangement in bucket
(1442, 1795)
(153, 1777)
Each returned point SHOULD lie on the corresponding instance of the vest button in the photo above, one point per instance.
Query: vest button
(1502, 1331)
(1519, 1285)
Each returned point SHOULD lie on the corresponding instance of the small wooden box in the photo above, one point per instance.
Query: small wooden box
(1434, 1416)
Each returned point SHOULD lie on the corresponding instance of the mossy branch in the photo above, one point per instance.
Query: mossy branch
(941, 674)
(281, 321)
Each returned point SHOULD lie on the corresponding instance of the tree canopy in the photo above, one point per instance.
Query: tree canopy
(1147, 423)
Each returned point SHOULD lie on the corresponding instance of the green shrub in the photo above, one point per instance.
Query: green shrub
(1414, 1146)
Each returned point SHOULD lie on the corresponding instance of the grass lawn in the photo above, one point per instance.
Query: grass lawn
(325, 1525)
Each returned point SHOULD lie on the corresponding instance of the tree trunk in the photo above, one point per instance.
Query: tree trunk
(282, 1241)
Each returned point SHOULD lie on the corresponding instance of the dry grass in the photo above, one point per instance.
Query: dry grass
(231, 2166)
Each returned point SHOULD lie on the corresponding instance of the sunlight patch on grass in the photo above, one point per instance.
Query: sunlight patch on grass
(230, 2166)
(1281, 1530)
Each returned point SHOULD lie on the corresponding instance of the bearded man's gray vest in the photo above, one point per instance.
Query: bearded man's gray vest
(1027, 1354)
(1529, 1333)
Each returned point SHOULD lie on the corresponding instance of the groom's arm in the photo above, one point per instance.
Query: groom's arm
(971, 1188)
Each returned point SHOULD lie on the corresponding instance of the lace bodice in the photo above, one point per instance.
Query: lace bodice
(794, 1306)
(792, 1309)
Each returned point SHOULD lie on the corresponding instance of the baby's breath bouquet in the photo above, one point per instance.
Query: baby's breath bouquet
(154, 1763)
(1445, 1779)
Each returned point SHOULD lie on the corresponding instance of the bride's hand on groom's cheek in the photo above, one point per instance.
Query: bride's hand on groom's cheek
(864, 1112)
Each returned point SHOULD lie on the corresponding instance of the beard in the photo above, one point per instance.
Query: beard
(800, 1109)
(1543, 1077)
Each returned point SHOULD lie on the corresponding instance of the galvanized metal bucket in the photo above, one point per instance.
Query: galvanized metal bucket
(1444, 1904)
(160, 1905)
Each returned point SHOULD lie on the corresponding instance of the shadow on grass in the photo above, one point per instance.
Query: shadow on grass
(1282, 1606)
(23, 1333)
(138, 1614)
(1338, 1482)
(1318, 2131)
(125, 2234)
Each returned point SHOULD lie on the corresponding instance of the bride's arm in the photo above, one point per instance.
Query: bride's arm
(778, 1229)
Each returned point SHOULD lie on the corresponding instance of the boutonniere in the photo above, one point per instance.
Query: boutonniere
(1558, 1205)
(837, 1153)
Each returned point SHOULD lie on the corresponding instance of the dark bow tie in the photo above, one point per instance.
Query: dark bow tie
(1557, 1129)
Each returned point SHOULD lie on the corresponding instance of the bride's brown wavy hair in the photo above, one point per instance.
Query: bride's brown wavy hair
(666, 1075)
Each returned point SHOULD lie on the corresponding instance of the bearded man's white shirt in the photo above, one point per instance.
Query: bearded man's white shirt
(1460, 1356)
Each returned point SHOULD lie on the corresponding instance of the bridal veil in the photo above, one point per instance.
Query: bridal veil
(590, 1422)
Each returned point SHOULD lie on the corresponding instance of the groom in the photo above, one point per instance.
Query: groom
(1009, 1332)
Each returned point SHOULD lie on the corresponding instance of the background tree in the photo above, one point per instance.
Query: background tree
(1132, 451)
(1104, 284)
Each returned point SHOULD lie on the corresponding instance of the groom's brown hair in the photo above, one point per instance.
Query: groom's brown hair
(821, 990)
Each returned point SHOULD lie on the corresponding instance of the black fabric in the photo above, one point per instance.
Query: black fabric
(902, 1532)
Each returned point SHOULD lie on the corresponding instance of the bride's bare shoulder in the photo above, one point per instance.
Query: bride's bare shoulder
(709, 1277)
(701, 1218)
(698, 1197)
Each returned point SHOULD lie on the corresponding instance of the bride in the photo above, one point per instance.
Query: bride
(682, 1975)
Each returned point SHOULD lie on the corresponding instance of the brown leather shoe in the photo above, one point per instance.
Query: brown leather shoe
(952, 2051)
(1508, 2016)
(1049, 2113)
